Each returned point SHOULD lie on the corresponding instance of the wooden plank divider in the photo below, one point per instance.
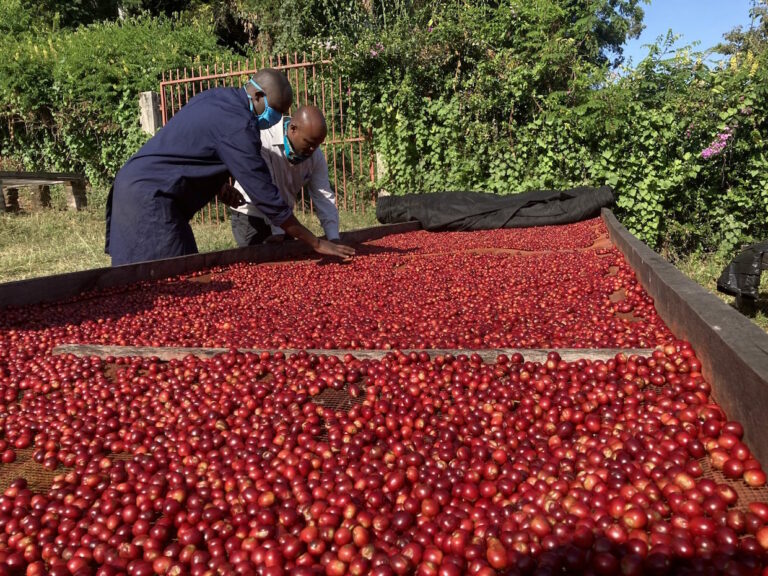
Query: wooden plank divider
(488, 355)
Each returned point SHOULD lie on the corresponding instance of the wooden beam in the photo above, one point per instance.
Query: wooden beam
(733, 351)
(60, 286)
(36, 176)
(490, 355)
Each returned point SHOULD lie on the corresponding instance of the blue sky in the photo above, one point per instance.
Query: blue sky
(702, 20)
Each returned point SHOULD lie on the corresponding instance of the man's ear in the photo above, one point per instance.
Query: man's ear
(258, 101)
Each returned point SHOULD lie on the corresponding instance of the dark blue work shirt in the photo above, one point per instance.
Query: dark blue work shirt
(213, 136)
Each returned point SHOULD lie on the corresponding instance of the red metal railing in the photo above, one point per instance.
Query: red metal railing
(347, 148)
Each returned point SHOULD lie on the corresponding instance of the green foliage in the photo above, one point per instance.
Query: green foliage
(13, 17)
(658, 147)
(750, 39)
(484, 95)
(72, 13)
(69, 100)
(514, 97)
(154, 7)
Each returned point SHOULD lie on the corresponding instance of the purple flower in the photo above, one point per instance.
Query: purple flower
(718, 144)
(429, 29)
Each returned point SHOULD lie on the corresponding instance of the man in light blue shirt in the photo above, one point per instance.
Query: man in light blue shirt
(291, 151)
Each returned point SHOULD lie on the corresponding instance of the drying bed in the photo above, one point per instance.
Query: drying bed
(424, 462)
(303, 464)
(493, 289)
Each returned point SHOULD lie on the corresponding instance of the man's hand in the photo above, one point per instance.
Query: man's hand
(298, 230)
(332, 249)
(275, 239)
(230, 195)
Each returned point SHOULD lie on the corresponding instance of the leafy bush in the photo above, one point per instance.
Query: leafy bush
(69, 99)
(502, 97)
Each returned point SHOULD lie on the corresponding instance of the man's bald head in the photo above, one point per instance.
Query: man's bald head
(277, 88)
(307, 129)
(310, 120)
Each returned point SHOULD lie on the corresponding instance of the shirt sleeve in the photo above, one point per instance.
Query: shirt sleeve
(241, 153)
(324, 197)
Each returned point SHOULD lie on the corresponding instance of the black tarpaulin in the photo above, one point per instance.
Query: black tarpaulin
(482, 211)
(742, 276)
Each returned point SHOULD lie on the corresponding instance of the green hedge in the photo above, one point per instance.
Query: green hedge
(504, 97)
(69, 99)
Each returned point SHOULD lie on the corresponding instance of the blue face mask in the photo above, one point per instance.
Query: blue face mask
(270, 116)
(291, 155)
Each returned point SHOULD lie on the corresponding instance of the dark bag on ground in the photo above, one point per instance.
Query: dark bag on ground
(482, 211)
(741, 277)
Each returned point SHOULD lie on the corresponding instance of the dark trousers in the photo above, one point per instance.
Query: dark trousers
(145, 226)
(248, 230)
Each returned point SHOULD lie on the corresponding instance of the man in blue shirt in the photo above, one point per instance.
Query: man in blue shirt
(189, 161)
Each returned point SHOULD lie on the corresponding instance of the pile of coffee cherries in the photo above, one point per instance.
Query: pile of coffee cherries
(408, 464)
(426, 463)
(394, 296)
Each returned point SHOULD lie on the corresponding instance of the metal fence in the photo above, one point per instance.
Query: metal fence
(347, 148)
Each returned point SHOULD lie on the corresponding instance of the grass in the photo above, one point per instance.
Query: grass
(705, 268)
(50, 242)
(53, 241)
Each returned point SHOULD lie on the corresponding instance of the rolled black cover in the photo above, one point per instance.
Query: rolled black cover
(483, 211)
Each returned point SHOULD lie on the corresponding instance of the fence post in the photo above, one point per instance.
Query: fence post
(151, 118)
(2, 198)
(371, 163)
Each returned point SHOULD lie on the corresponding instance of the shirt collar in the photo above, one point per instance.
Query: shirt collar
(279, 132)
